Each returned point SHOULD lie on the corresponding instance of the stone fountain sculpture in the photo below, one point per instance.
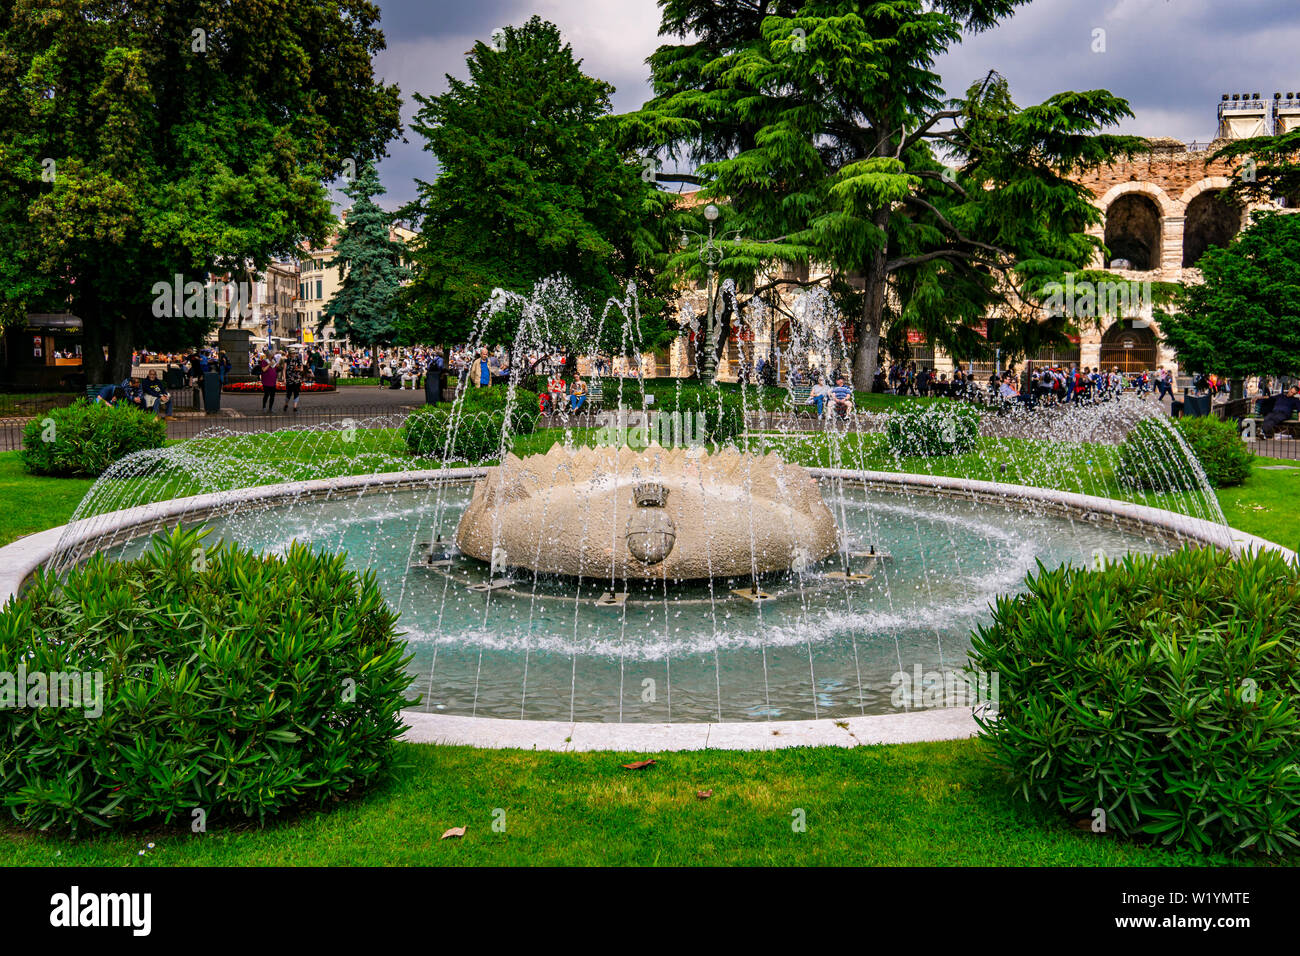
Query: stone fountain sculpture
(619, 513)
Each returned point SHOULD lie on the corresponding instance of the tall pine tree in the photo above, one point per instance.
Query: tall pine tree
(366, 306)
(529, 186)
(824, 128)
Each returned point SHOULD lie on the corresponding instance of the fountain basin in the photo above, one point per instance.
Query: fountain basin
(671, 514)
(716, 667)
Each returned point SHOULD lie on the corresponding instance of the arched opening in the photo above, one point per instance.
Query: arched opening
(1128, 348)
(1211, 221)
(1133, 231)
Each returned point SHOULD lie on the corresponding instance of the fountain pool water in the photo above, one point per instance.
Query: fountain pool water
(853, 594)
(542, 648)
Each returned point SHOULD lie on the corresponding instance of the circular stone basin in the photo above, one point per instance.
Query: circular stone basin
(659, 514)
(823, 644)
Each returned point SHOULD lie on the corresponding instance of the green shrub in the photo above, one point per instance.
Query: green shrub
(480, 423)
(235, 683)
(1152, 458)
(82, 440)
(1162, 690)
(943, 428)
(1219, 446)
(724, 412)
(525, 415)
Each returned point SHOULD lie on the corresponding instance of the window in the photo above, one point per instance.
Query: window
(318, 289)
(923, 356)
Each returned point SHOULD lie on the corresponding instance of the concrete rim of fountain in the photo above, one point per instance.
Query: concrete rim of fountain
(19, 560)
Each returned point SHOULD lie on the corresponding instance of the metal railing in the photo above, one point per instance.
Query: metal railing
(194, 426)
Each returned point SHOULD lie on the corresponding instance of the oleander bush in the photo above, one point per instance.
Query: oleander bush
(524, 416)
(1160, 691)
(85, 438)
(943, 428)
(721, 413)
(236, 684)
(472, 431)
(1152, 458)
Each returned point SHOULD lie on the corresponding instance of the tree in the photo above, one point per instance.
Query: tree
(1268, 168)
(147, 139)
(365, 307)
(529, 187)
(1245, 319)
(824, 129)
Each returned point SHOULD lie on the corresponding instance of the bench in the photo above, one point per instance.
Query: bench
(595, 395)
(800, 399)
(92, 392)
(1252, 422)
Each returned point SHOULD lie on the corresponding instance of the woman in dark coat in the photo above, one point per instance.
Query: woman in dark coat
(433, 378)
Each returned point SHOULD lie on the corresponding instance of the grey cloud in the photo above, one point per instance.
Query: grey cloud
(1171, 59)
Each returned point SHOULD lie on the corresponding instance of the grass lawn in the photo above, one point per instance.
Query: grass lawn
(29, 504)
(1268, 504)
(925, 804)
(27, 404)
(939, 804)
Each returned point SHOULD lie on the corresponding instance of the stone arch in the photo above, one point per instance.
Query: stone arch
(1211, 221)
(1129, 346)
(1134, 230)
(1168, 207)
(1209, 184)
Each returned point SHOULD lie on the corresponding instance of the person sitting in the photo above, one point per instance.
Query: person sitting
(1009, 394)
(1284, 406)
(820, 396)
(842, 395)
(110, 395)
(408, 375)
(156, 396)
(557, 390)
(578, 395)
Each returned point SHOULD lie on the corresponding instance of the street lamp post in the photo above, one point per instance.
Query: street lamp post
(711, 255)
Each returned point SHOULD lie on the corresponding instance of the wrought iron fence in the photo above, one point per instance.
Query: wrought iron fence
(193, 426)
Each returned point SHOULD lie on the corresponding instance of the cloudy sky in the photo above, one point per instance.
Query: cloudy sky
(1171, 59)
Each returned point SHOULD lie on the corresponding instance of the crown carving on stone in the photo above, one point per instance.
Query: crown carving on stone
(649, 494)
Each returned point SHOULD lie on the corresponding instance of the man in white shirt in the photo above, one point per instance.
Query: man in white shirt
(820, 396)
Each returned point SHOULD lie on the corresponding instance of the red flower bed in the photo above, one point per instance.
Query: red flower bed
(279, 387)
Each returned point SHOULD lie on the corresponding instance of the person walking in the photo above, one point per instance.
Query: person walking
(292, 371)
(433, 378)
(269, 374)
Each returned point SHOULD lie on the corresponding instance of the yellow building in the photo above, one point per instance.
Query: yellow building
(319, 281)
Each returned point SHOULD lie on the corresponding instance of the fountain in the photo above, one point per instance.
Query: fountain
(676, 514)
(789, 576)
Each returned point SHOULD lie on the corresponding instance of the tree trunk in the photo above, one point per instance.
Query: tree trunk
(1238, 387)
(92, 345)
(119, 353)
(866, 358)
